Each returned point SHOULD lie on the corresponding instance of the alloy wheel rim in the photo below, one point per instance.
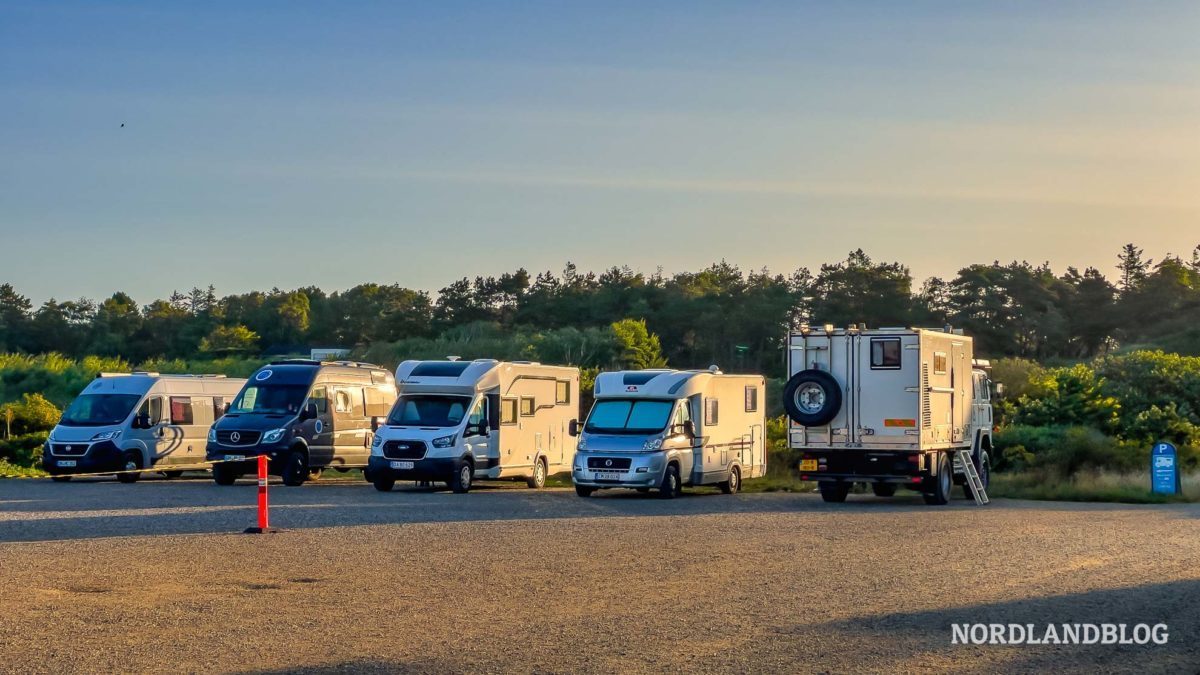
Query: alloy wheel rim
(464, 475)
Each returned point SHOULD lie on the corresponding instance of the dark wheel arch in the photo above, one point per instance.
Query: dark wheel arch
(806, 379)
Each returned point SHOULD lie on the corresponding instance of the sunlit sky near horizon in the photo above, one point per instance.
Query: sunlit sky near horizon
(287, 144)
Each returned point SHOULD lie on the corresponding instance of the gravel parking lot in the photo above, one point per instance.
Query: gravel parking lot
(155, 576)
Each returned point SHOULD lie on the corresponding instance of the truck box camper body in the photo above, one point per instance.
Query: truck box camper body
(663, 429)
(456, 421)
(130, 421)
(888, 406)
(305, 416)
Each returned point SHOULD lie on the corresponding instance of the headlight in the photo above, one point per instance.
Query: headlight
(652, 444)
(212, 434)
(582, 445)
(445, 441)
(273, 435)
(107, 435)
(378, 441)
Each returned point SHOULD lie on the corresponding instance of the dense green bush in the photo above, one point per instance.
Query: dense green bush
(23, 450)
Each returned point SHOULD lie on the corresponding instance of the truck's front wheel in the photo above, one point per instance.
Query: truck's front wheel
(939, 494)
(834, 493)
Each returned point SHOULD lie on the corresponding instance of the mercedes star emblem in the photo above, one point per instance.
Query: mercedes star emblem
(235, 437)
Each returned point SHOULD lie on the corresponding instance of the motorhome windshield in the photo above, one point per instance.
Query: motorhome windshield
(94, 410)
(269, 399)
(628, 417)
(427, 410)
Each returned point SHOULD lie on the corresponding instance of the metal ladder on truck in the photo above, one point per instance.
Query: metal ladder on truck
(962, 460)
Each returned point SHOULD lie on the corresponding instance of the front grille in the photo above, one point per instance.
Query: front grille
(226, 437)
(611, 463)
(69, 448)
(404, 449)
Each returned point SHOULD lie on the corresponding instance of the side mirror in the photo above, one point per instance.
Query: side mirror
(376, 422)
(309, 412)
(573, 428)
(999, 390)
(226, 407)
(476, 429)
(689, 428)
(140, 422)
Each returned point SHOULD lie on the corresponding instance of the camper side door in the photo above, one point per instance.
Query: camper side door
(478, 435)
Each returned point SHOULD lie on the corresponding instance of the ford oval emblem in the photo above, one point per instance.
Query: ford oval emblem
(68, 447)
(235, 437)
(608, 462)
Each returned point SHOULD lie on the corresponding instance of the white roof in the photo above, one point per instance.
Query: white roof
(669, 384)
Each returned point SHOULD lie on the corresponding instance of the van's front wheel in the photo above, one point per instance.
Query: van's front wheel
(223, 474)
(584, 491)
(384, 484)
(295, 470)
(132, 461)
(670, 486)
(463, 474)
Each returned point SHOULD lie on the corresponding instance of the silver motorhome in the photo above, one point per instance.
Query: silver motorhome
(142, 420)
(889, 406)
(456, 421)
(663, 429)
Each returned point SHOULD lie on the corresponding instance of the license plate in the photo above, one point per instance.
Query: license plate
(808, 465)
(66, 462)
(402, 465)
(234, 458)
(607, 475)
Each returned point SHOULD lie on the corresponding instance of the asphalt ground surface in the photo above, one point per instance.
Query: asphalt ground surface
(156, 576)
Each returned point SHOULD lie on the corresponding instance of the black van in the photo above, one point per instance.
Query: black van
(305, 416)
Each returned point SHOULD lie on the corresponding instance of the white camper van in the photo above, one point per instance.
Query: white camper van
(894, 407)
(130, 421)
(664, 429)
(456, 421)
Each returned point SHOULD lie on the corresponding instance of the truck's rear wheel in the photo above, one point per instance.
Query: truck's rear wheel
(812, 398)
(943, 482)
(834, 492)
(884, 489)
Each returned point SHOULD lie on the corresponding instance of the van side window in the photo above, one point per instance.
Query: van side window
(751, 398)
(377, 402)
(682, 414)
(181, 410)
(710, 411)
(528, 405)
(508, 411)
(152, 409)
(202, 411)
(562, 392)
(218, 407)
(341, 401)
(479, 414)
(318, 396)
(885, 353)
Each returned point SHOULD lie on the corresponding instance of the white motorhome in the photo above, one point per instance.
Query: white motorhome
(456, 421)
(890, 406)
(131, 421)
(663, 429)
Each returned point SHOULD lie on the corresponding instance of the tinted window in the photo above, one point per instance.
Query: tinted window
(271, 399)
(885, 353)
(528, 405)
(440, 369)
(423, 410)
(181, 410)
(710, 411)
(508, 411)
(562, 392)
(218, 407)
(99, 409)
(629, 417)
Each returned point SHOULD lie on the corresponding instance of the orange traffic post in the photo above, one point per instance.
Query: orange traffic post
(264, 524)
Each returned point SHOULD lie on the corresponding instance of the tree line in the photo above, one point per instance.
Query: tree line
(720, 314)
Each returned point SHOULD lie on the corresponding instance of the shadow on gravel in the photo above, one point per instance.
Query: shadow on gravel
(912, 634)
(371, 666)
(39, 510)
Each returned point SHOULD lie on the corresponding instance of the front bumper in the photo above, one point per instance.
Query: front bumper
(429, 468)
(98, 458)
(645, 470)
(906, 468)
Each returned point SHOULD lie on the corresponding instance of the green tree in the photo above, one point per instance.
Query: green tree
(638, 347)
(31, 414)
(228, 340)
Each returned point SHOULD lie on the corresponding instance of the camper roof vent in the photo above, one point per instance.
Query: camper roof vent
(828, 328)
(714, 369)
(453, 358)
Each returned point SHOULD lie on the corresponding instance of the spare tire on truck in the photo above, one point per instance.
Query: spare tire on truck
(812, 398)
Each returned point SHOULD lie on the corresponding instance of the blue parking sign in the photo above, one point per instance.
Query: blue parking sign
(1164, 469)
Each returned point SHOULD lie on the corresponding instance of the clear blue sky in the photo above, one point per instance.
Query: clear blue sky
(287, 144)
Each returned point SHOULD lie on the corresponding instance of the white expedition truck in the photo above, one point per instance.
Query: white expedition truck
(893, 407)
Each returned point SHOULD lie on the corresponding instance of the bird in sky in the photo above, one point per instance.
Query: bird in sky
(122, 125)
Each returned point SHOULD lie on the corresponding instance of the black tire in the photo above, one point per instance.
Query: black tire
(130, 461)
(884, 489)
(584, 491)
(224, 474)
(938, 493)
(834, 493)
(812, 398)
(538, 480)
(172, 474)
(384, 484)
(295, 469)
(464, 475)
(671, 486)
(731, 486)
(60, 479)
